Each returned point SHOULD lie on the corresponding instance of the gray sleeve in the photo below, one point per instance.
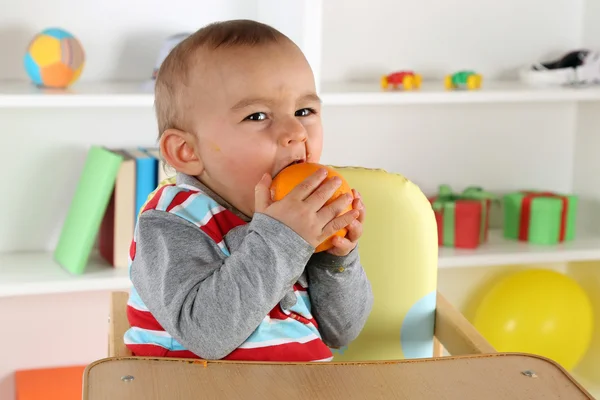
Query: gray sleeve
(341, 296)
(208, 302)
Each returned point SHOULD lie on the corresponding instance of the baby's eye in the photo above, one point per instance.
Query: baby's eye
(259, 116)
(304, 112)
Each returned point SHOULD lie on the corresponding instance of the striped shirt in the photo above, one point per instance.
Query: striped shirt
(285, 334)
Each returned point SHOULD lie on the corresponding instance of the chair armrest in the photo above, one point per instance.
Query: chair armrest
(455, 332)
(118, 325)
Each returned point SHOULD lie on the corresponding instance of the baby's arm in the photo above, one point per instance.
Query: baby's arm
(208, 302)
(340, 295)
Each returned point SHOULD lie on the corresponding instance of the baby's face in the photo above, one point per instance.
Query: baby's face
(255, 110)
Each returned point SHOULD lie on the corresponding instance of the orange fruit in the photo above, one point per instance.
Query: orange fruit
(291, 176)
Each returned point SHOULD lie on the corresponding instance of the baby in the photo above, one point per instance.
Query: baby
(220, 270)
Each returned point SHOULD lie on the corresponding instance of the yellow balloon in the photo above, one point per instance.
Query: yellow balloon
(538, 311)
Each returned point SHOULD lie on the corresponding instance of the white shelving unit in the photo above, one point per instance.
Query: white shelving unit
(36, 273)
(506, 136)
(18, 94)
(433, 93)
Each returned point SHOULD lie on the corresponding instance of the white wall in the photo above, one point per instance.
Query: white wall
(51, 331)
(500, 147)
(435, 37)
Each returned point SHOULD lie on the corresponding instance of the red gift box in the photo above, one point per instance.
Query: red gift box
(462, 219)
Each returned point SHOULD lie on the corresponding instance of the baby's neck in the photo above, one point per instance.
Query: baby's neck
(183, 179)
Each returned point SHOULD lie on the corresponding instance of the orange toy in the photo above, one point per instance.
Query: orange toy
(59, 383)
(291, 176)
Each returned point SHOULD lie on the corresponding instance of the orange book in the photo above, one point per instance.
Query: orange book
(62, 383)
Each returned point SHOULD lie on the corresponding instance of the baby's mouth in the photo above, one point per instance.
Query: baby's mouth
(298, 161)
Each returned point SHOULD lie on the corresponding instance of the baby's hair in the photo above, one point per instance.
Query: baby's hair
(172, 81)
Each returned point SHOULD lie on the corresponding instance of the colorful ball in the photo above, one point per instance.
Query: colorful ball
(54, 58)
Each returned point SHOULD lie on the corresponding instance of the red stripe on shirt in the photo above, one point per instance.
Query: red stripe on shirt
(153, 202)
(278, 314)
(287, 352)
(148, 350)
(142, 319)
(180, 198)
(132, 250)
(299, 287)
(220, 224)
(226, 221)
(300, 352)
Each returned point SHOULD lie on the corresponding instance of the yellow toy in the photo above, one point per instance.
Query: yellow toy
(538, 311)
(464, 79)
(407, 79)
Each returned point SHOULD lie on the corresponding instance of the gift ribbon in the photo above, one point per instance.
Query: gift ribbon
(477, 193)
(526, 213)
(446, 201)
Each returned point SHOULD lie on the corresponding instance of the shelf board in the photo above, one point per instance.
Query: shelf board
(96, 94)
(137, 94)
(499, 251)
(37, 273)
(348, 94)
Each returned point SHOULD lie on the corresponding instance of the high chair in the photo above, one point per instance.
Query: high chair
(399, 251)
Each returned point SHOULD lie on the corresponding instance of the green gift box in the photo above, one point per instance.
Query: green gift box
(539, 217)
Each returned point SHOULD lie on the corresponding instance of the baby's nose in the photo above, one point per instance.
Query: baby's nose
(293, 132)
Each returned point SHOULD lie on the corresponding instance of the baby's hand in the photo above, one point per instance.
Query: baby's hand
(344, 245)
(303, 209)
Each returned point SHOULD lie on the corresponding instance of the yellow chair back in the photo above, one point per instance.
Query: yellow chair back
(399, 253)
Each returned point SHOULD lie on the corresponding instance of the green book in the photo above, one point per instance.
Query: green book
(92, 195)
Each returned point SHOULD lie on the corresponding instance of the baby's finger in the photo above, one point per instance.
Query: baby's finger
(341, 246)
(262, 194)
(361, 214)
(357, 204)
(309, 184)
(338, 223)
(355, 230)
(333, 209)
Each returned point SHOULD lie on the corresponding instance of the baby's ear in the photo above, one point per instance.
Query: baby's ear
(179, 151)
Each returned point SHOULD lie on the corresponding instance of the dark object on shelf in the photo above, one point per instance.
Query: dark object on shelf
(578, 67)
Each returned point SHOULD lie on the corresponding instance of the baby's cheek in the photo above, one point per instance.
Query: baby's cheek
(314, 152)
(243, 170)
(214, 147)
